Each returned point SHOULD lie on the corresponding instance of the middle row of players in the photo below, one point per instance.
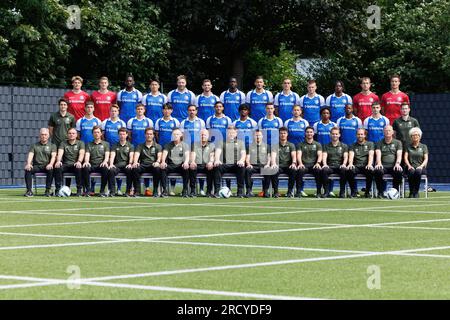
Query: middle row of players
(226, 156)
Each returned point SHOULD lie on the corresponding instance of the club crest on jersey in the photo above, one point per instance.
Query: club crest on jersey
(75, 147)
(108, 98)
(399, 98)
(382, 123)
(81, 97)
(160, 100)
(420, 150)
(264, 98)
(47, 148)
(371, 99)
(186, 98)
(237, 97)
(292, 99)
(249, 125)
(67, 120)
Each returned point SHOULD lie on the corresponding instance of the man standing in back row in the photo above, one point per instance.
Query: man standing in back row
(258, 98)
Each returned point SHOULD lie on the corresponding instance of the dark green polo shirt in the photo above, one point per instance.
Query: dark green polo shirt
(231, 151)
(122, 158)
(60, 126)
(97, 152)
(148, 154)
(389, 152)
(259, 153)
(284, 154)
(402, 127)
(176, 153)
(203, 152)
(42, 153)
(361, 157)
(335, 154)
(71, 151)
(416, 154)
(309, 152)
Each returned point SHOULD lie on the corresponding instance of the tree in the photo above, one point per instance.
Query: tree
(32, 41)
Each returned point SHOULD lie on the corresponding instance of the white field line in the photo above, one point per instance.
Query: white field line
(119, 240)
(47, 282)
(299, 210)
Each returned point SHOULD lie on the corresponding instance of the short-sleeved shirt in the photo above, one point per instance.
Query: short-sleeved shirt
(284, 154)
(402, 127)
(122, 158)
(60, 126)
(309, 152)
(203, 152)
(231, 151)
(361, 150)
(71, 151)
(97, 152)
(148, 154)
(259, 153)
(416, 154)
(335, 154)
(389, 152)
(176, 153)
(42, 153)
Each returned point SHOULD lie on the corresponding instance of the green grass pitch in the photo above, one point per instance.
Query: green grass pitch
(145, 248)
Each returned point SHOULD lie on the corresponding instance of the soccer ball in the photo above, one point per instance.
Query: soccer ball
(225, 192)
(65, 192)
(392, 194)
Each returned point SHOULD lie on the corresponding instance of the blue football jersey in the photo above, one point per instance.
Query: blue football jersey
(153, 105)
(296, 130)
(375, 128)
(245, 130)
(84, 127)
(164, 129)
(348, 129)
(270, 129)
(214, 124)
(180, 102)
(191, 130)
(111, 130)
(128, 101)
(285, 103)
(205, 106)
(322, 131)
(231, 102)
(257, 103)
(311, 107)
(137, 128)
(337, 105)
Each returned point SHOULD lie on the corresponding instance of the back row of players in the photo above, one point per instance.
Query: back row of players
(339, 109)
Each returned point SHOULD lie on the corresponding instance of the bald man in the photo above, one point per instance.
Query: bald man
(41, 158)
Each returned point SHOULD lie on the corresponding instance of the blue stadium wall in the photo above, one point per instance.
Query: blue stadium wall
(24, 110)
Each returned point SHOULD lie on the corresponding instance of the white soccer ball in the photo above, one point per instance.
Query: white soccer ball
(392, 194)
(64, 192)
(225, 192)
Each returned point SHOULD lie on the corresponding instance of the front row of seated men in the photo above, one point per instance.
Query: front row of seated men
(228, 156)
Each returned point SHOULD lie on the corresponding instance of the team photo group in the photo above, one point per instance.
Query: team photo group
(241, 136)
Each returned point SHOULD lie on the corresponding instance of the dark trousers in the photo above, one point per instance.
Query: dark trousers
(136, 177)
(293, 178)
(211, 179)
(351, 174)
(396, 175)
(113, 172)
(58, 173)
(87, 176)
(38, 169)
(326, 171)
(232, 168)
(174, 168)
(317, 176)
(414, 179)
(248, 178)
